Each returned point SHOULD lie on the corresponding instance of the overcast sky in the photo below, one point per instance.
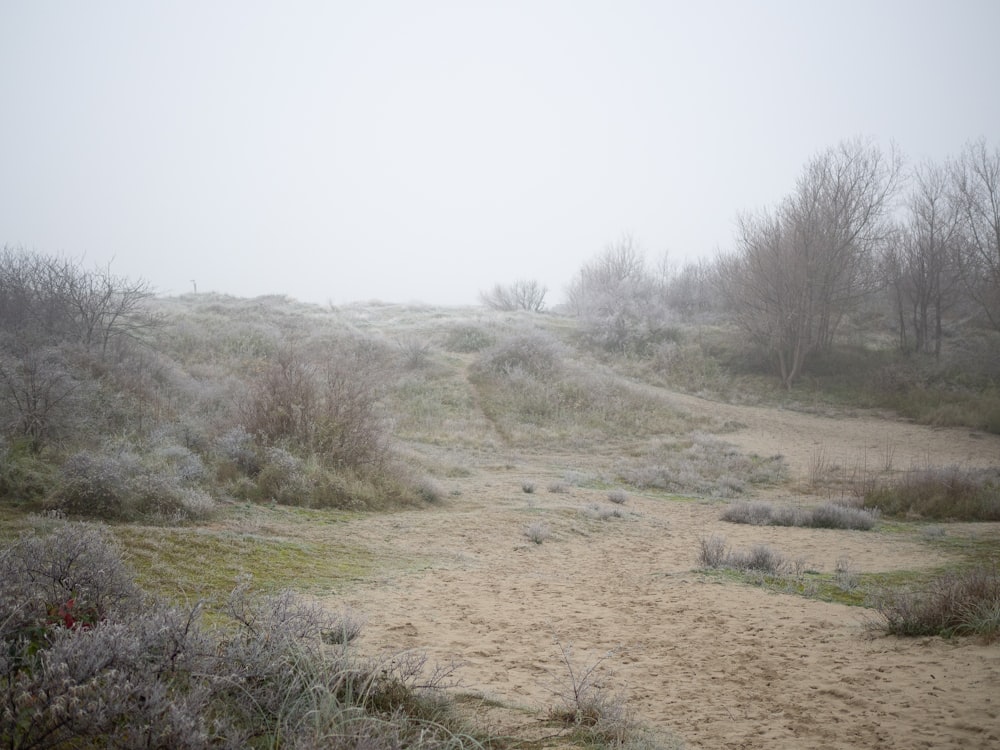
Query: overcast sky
(424, 150)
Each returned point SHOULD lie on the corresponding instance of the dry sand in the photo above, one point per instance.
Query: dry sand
(721, 665)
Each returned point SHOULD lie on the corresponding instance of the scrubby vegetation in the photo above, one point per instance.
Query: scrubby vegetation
(700, 464)
(824, 516)
(151, 413)
(716, 553)
(90, 660)
(964, 602)
(944, 493)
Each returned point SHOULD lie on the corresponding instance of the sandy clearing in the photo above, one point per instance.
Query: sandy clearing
(721, 665)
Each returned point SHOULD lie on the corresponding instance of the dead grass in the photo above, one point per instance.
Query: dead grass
(939, 493)
(964, 602)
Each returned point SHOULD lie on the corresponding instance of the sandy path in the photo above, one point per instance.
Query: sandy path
(719, 664)
(846, 440)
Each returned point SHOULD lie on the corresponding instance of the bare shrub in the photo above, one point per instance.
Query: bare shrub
(558, 487)
(754, 513)
(825, 516)
(41, 397)
(537, 532)
(344, 627)
(329, 409)
(618, 497)
(621, 304)
(585, 701)
(759, 558)
(76, 562)
(844, 574)
(415, 352)
(283, 478)
(819, 467)
(428, 490)
(520, 295)
(963, 602)
(528, 487)
(786, 515)
(836, 516)
(715, 553)
(237, 447)
(121, 486)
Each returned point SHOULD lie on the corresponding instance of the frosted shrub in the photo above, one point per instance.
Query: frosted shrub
(182, 463)
(237, 446)
(87, 660)
(121, 486)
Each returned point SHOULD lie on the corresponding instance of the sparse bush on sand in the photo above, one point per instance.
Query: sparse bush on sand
(964, 602)
(537, 532)
(715, 553)
(618, 497)
(825, 516)
(597, 715)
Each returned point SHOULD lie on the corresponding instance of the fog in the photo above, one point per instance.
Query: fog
(339, 151)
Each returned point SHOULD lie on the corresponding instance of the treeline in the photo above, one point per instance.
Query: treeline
(862, 242)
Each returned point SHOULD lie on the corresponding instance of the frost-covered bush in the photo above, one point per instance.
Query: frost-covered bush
(87, 660)
(122, 486)
(237, 447)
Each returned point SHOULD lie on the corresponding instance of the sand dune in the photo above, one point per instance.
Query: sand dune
(720, 664)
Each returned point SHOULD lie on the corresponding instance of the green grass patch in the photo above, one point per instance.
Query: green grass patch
(827, 587)
(205, 563)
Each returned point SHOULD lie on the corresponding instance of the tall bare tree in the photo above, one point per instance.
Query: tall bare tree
(800, 269)
(976, 182)
(923, 259)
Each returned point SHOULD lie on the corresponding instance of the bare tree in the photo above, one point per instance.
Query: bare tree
(521, 295)
(799, 270)
(53, 300)
(105, 306)
(976, 182)
(923, 260)
(37, 390)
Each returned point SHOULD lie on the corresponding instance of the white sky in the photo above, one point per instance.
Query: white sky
(426, 150)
